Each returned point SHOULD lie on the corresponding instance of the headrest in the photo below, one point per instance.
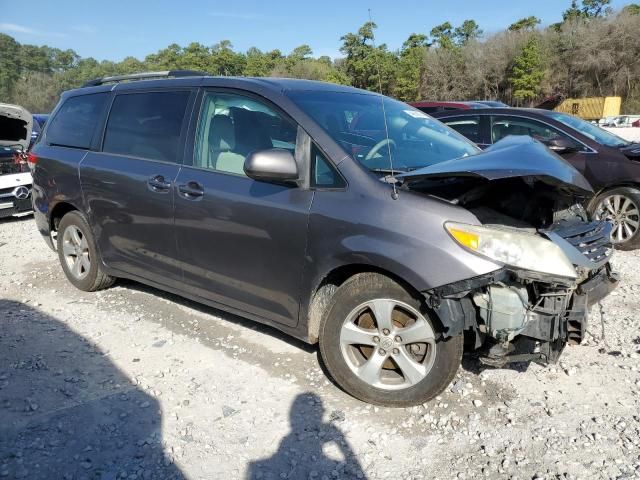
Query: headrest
(221, 133)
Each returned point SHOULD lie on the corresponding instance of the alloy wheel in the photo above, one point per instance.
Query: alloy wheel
(623, 214)
(388, 344)
(75, 249)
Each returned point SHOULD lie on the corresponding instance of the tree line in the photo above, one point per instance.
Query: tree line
(593, 51)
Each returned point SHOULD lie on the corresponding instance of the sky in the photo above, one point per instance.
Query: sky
(116, 29)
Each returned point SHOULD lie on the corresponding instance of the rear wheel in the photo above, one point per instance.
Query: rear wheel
(78, 254)
(621, 207)
(381, 346)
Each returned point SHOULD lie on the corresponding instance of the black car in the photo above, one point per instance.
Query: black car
(610, 163)
(290, 202)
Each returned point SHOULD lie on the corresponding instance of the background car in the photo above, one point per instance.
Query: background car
(433, 107)
(610, 163)
(15, 178)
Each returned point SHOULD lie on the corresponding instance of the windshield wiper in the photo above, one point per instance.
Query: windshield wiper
(389, 171)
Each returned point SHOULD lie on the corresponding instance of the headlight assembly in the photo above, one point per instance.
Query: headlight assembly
(514, 248)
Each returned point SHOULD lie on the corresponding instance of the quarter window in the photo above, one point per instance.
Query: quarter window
(232, 126)
(146, 125)
(75, 123)
(323, 173)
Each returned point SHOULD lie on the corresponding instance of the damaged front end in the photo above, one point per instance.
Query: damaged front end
(555, 261)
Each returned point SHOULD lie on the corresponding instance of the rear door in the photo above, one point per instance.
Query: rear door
(241, 242)
(128, 184)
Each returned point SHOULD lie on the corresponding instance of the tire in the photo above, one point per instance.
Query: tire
(79, 256)
(379, 366)
(621, 206)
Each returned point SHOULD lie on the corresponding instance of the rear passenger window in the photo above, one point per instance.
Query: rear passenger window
(146, 125)
(467, 126)
(75, 123)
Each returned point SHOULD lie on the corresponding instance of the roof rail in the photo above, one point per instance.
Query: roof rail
(144, 76)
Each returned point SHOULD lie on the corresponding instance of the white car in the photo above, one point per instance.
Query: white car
(15, 177)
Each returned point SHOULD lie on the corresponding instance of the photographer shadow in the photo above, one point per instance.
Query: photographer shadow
(66, 411)
(301, 454)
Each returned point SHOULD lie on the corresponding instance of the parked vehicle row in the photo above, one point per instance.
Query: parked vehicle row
(334, 214)
(610, 163)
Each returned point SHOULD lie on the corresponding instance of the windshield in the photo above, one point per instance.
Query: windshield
(357, 122)
(594, 132)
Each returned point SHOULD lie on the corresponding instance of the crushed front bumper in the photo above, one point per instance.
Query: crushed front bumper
(515, 318)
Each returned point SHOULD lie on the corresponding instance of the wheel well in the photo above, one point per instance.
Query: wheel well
(591, 204)
(331, 282)
(59, 211)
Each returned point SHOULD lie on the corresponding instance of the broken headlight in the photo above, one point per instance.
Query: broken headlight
(514, 248)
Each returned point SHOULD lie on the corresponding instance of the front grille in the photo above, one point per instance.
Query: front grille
(593, 239)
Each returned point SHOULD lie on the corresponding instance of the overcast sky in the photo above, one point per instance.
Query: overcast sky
(116, 29)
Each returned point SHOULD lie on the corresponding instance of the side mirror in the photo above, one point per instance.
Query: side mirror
(272, 165)
(561, 145)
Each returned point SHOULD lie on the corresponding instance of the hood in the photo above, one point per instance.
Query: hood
(514, 156)
(16, 124)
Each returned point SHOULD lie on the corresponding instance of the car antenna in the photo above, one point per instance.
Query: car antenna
(391, 179)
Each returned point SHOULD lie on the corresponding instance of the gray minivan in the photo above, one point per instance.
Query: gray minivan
(336, 215)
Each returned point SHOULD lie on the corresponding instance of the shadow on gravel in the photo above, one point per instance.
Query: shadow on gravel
(301, 453)
(66, 412)
(226, 316)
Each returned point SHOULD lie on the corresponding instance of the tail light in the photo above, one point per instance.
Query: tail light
(32, 160)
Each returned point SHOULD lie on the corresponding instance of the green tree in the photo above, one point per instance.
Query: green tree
(225, 61)
(632, 9)
(469, 30)
(596, 8)
(528, 23)
(260, 64)
(442, 35)
(410, 67)
(527, 72)
(9, 65)
(367, 66)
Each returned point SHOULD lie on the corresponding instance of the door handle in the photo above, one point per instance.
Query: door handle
(191, 191)
(158, 184)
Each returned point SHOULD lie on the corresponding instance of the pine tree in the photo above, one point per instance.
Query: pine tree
(527, 72)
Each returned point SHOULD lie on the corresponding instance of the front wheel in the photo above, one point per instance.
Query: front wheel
(381, 346)
(621, 207)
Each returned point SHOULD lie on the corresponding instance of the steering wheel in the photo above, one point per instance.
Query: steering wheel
(379, 146)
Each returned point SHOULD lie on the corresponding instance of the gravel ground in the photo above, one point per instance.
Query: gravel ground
(135, 383)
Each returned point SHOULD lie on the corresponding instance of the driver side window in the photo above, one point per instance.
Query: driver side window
(232, 126)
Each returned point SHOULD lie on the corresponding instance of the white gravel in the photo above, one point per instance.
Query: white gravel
(138, 384)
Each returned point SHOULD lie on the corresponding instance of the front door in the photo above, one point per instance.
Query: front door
(128, 185)
(241, 242)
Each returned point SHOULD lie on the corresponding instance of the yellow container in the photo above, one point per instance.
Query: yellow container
(593, 108)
